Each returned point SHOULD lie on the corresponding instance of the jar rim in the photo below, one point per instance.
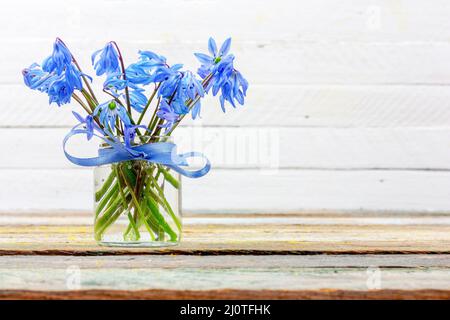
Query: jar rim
(138, 142)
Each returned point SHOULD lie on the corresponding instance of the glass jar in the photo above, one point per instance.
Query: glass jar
(137, 203)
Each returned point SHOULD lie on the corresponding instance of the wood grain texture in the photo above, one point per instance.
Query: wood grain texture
(227, 294)
(221, 258)
(309, 235)
(271, 276)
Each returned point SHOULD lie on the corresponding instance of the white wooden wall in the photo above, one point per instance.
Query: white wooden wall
(348, 110)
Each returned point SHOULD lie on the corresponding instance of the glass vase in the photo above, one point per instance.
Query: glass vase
(137, 203)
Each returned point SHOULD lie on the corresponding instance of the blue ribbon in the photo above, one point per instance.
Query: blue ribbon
(164, 153)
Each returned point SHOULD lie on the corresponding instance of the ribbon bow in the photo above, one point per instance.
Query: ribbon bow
(164, 153)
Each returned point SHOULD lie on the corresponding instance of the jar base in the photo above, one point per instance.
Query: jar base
(138, 244)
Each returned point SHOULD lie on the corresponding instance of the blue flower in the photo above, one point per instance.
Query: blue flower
(137, 99)
(73, 77)
(114, 82)
(58, 77)
(59, 60)
(37, 79)
(169, 78)
(152, 58)
(61, 87)
(139, 73)
(222, 75)
(89, 124)
(108, 113)
(234, 88)
(129, 133)
(208, 63)
(106, 60)
(190, 86)
(142, 72)
(166, 112)
(60, 91)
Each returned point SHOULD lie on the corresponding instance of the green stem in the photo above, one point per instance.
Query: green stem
(99, 194)
(124, 76)
(112, 192)
(174, 182)
(148, 104)
(162, 199)
(135, 200)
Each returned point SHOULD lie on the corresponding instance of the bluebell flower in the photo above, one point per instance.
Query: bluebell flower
(73, 77)
(208, 63)
(152, 58)
(139, 73)
(137, 99)
(37, 79)
(60, 91)
(235, 88)
(61, 88)
(178, 104)
(169, 78)
(59, 60)
(109, 112)
(144, 71)
(167, 113)
(106, 60)
(190, 86)
(220, 74)
(114, 82)
(88, 122)
(129, 133)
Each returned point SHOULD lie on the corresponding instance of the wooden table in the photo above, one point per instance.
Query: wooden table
(307, 256)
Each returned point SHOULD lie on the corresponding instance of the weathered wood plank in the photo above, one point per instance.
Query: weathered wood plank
(125, 262)
(234, 190)
(337, 219)
(278, 274)
(213, 238)
(313, 148)
(228, 294)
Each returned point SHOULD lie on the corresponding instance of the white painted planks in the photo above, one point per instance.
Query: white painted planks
(273, 105)
(352, 92)
(247, 191)
(295, 148)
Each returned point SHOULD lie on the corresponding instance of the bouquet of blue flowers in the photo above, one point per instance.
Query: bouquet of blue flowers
(137, 160)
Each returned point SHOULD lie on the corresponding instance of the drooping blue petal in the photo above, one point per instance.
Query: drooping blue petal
(196, 110)
(60, 91)
(138, 100)
(153, 58)
(59, 59)
(37, 79)
(114, 82)
(73, 77)
(167, 113)
(106, 60)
